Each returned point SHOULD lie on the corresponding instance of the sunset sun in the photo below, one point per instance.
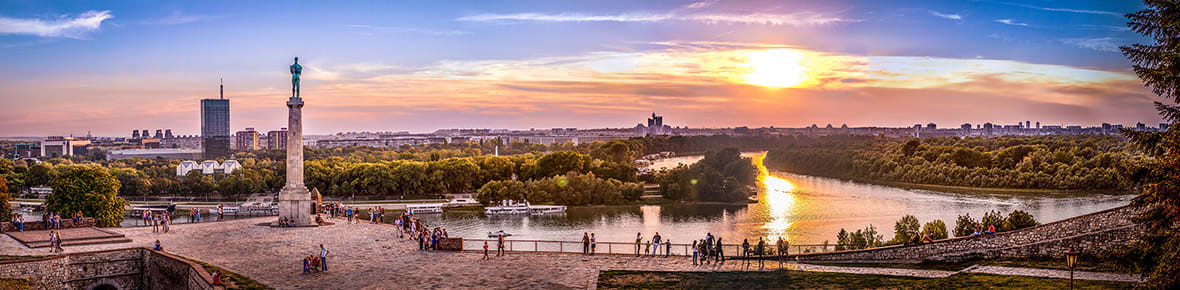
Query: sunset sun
(777, 68)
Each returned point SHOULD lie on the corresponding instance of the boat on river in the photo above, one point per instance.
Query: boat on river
(418, 208)
(499, 233)
(511, 207)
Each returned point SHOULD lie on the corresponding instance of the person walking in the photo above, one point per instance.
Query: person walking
(52, 241)
(638, 240)
(585, 243)
(323, 258)
(485, 250)
(667, 248)
(746, 250)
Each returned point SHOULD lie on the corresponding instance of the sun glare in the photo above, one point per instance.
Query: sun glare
(777, 68)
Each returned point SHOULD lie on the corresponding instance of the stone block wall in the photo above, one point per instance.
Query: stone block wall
(38, 225)
(451, 244)
(128, 269)
(1096, 234)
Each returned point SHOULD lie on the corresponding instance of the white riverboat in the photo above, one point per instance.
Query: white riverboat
(418, 208)
(512, 207)
(461, 200)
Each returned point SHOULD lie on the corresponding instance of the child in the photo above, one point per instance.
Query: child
(485, 250)
(307, 264)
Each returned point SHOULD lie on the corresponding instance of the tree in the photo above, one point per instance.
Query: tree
(1158, 66)
(910, 147)
(993, 218)
(905, 228)
(39, 174)
(87, 188)
(965, 225)
(936, 229)
(5, 198)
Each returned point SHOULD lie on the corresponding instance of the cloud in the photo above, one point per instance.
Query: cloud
(1011, 22)
(802, 18)
(77, 27)
(179, 17)
(400, 30)
(1100, 12)
(951, 16)
(701, 4)
(1106, 44)
(1106, 27)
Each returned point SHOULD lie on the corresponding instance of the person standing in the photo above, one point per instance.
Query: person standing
(695, 252)
(667, 248)
(220, 212)
(500, 245)
(761, 251)
(655, 241)
(585, 243)
(779, 250)
(593, 243)
(638, 240)
(52, 241)
(323, 258)
(720, 251)
(746, 249)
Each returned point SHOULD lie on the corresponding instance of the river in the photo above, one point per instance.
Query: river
(802, 209)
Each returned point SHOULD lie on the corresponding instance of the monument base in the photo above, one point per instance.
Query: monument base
(295, 204)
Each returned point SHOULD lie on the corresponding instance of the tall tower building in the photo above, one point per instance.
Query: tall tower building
(215, 135)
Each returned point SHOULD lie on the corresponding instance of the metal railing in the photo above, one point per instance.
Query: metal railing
(625, 248)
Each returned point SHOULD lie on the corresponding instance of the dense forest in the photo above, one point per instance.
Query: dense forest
(1063, 162)
(723, 175)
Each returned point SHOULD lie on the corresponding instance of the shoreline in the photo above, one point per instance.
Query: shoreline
(971, 189)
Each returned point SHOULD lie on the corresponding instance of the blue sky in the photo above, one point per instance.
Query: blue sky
(424, 65)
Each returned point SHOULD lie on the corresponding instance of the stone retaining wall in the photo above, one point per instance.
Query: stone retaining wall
(1095, 234)
(38, 225)
(132, 268)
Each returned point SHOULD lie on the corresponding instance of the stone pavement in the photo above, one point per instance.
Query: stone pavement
(371, 256)
(1050, 273)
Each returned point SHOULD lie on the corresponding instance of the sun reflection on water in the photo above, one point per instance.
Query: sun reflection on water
(779, 196)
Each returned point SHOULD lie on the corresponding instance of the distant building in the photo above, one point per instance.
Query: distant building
(57, 146)
(215, 135)
(276, 139)
(166, 153)
(246, 140)
(27, 150)
(208, 167)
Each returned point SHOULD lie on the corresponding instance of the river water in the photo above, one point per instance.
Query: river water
(801, 209)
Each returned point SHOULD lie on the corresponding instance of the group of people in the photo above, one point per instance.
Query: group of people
(285, 222)
(991, 229)
(589, 243)
(652, 247)
(194, 215)
(407, 224)
(19, 222)
(52, 220)
(708, 248)
(54, 242)
(376, 214)
(320, 263)
(158, 221)
(499, 247)
(781, 249)
(431, 242)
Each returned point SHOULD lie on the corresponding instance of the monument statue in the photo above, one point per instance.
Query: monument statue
(296, 69)
(295, 201)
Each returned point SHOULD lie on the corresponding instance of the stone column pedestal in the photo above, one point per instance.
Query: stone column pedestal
(295, 199)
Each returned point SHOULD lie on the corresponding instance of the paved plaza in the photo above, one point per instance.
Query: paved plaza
(368, 256)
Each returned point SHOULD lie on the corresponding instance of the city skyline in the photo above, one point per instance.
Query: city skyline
(109, 68)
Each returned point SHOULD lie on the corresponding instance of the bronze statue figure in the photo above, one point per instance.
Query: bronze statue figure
(296, 69)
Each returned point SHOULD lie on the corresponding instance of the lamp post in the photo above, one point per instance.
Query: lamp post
(1071, 260)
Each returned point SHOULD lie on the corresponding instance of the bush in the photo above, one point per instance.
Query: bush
(936, 229)
(1019, 219)
(861, 239)
(965, 225)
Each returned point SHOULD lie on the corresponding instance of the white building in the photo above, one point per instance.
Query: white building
(208, 167)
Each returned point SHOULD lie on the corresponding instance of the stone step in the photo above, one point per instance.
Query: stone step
(82, 242)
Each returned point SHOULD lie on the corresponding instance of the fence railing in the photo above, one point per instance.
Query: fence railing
(625, 248)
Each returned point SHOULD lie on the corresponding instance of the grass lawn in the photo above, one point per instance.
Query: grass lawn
(1090, 264)
(810, 280)
(14, 283)
(241, 282)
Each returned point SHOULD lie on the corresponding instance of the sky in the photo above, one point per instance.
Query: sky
(72, 67)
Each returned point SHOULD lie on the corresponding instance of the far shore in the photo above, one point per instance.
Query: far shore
(976, 190)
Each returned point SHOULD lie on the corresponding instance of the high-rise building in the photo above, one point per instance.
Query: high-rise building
(276, 139)
(159, 134)
(167, 133)
(134, 134)
(215, 126)
(246, 140)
